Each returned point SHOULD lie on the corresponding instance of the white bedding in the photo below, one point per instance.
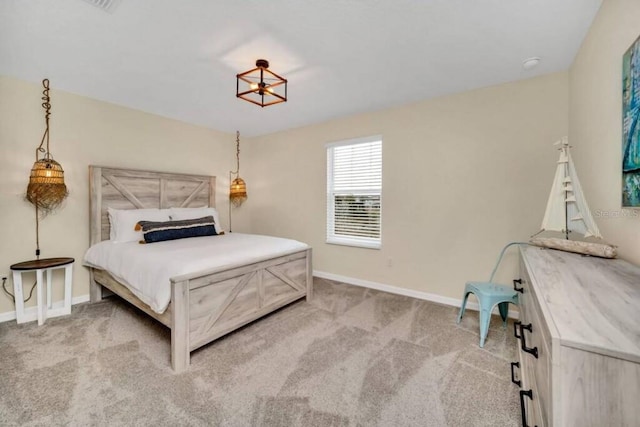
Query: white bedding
(146, 269)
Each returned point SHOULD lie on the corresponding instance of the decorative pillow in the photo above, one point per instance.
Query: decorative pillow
(123, 222)
(193, 213)
(172, 230)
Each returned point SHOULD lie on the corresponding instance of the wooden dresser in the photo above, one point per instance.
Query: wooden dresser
(579, 340)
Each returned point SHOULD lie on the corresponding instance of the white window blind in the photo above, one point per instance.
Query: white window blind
(354, 192)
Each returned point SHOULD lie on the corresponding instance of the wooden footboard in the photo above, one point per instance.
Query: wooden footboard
(207, 305)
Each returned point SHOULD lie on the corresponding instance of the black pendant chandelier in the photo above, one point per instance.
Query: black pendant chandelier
(261, 86)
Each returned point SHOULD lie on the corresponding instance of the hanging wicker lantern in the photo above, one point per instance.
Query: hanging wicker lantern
(238, 192)
(46, 188)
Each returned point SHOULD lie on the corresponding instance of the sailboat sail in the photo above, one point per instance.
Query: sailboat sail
(567, 207)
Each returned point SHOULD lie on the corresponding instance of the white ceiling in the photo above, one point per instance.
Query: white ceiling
(179, 58)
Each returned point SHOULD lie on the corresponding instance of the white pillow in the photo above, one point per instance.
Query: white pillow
(123, 222)
(178, 214)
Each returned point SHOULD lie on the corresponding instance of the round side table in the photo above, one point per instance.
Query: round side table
(43, 267)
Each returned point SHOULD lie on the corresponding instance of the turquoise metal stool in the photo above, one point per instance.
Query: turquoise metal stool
(489, 295)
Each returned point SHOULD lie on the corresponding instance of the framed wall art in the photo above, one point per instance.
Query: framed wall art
(630, 126)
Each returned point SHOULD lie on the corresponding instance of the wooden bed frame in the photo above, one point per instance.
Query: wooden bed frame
(204, 305)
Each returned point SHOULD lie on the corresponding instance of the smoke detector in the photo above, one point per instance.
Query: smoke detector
(530, 63)
(106, 5)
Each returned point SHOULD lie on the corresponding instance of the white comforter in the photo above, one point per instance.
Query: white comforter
(146, 269)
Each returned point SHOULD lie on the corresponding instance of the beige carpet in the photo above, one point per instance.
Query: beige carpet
(353, 357)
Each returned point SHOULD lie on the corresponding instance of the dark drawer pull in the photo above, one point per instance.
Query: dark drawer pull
(523, 341)
(513, 374)
(517, 289)
(529, 394)
(516, 325)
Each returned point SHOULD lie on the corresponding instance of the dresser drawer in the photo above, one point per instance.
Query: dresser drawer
(530, 396)
(535, 336)
(525, 288)
(538, 342)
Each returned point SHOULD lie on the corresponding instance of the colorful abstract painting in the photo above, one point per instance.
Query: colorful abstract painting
(630, 126)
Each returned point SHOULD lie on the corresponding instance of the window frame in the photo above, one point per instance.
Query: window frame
(330, 236)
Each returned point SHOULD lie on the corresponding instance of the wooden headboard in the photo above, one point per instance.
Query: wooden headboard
(136, 189)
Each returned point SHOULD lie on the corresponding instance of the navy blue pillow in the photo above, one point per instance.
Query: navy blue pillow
(154, 231)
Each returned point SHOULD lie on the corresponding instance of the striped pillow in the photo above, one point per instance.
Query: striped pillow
(171, 230)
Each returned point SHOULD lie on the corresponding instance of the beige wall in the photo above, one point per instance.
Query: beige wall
(83, 132)
(595, 121)
(462, 176)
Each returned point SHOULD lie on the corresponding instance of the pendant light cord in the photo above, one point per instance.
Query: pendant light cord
(238, 152)
(236, 172)
(37, 233)
(230, 229)
(566, 195)
(46, 104)
(13, 297)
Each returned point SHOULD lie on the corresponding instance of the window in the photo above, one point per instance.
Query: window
(354, 192)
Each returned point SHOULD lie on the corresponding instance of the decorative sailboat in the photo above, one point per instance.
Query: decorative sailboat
(567, 212)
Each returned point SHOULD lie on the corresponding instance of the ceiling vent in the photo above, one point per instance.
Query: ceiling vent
(106, 5)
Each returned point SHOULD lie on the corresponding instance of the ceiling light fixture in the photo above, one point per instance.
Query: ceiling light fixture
(105, 5)
(530, 63)
(261, 86)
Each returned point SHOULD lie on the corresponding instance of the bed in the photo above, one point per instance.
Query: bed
(207, 304)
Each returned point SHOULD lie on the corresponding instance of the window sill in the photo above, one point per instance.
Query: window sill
(353, 243)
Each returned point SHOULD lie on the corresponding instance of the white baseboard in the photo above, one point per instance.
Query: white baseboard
(31, 313)
(471, 305)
